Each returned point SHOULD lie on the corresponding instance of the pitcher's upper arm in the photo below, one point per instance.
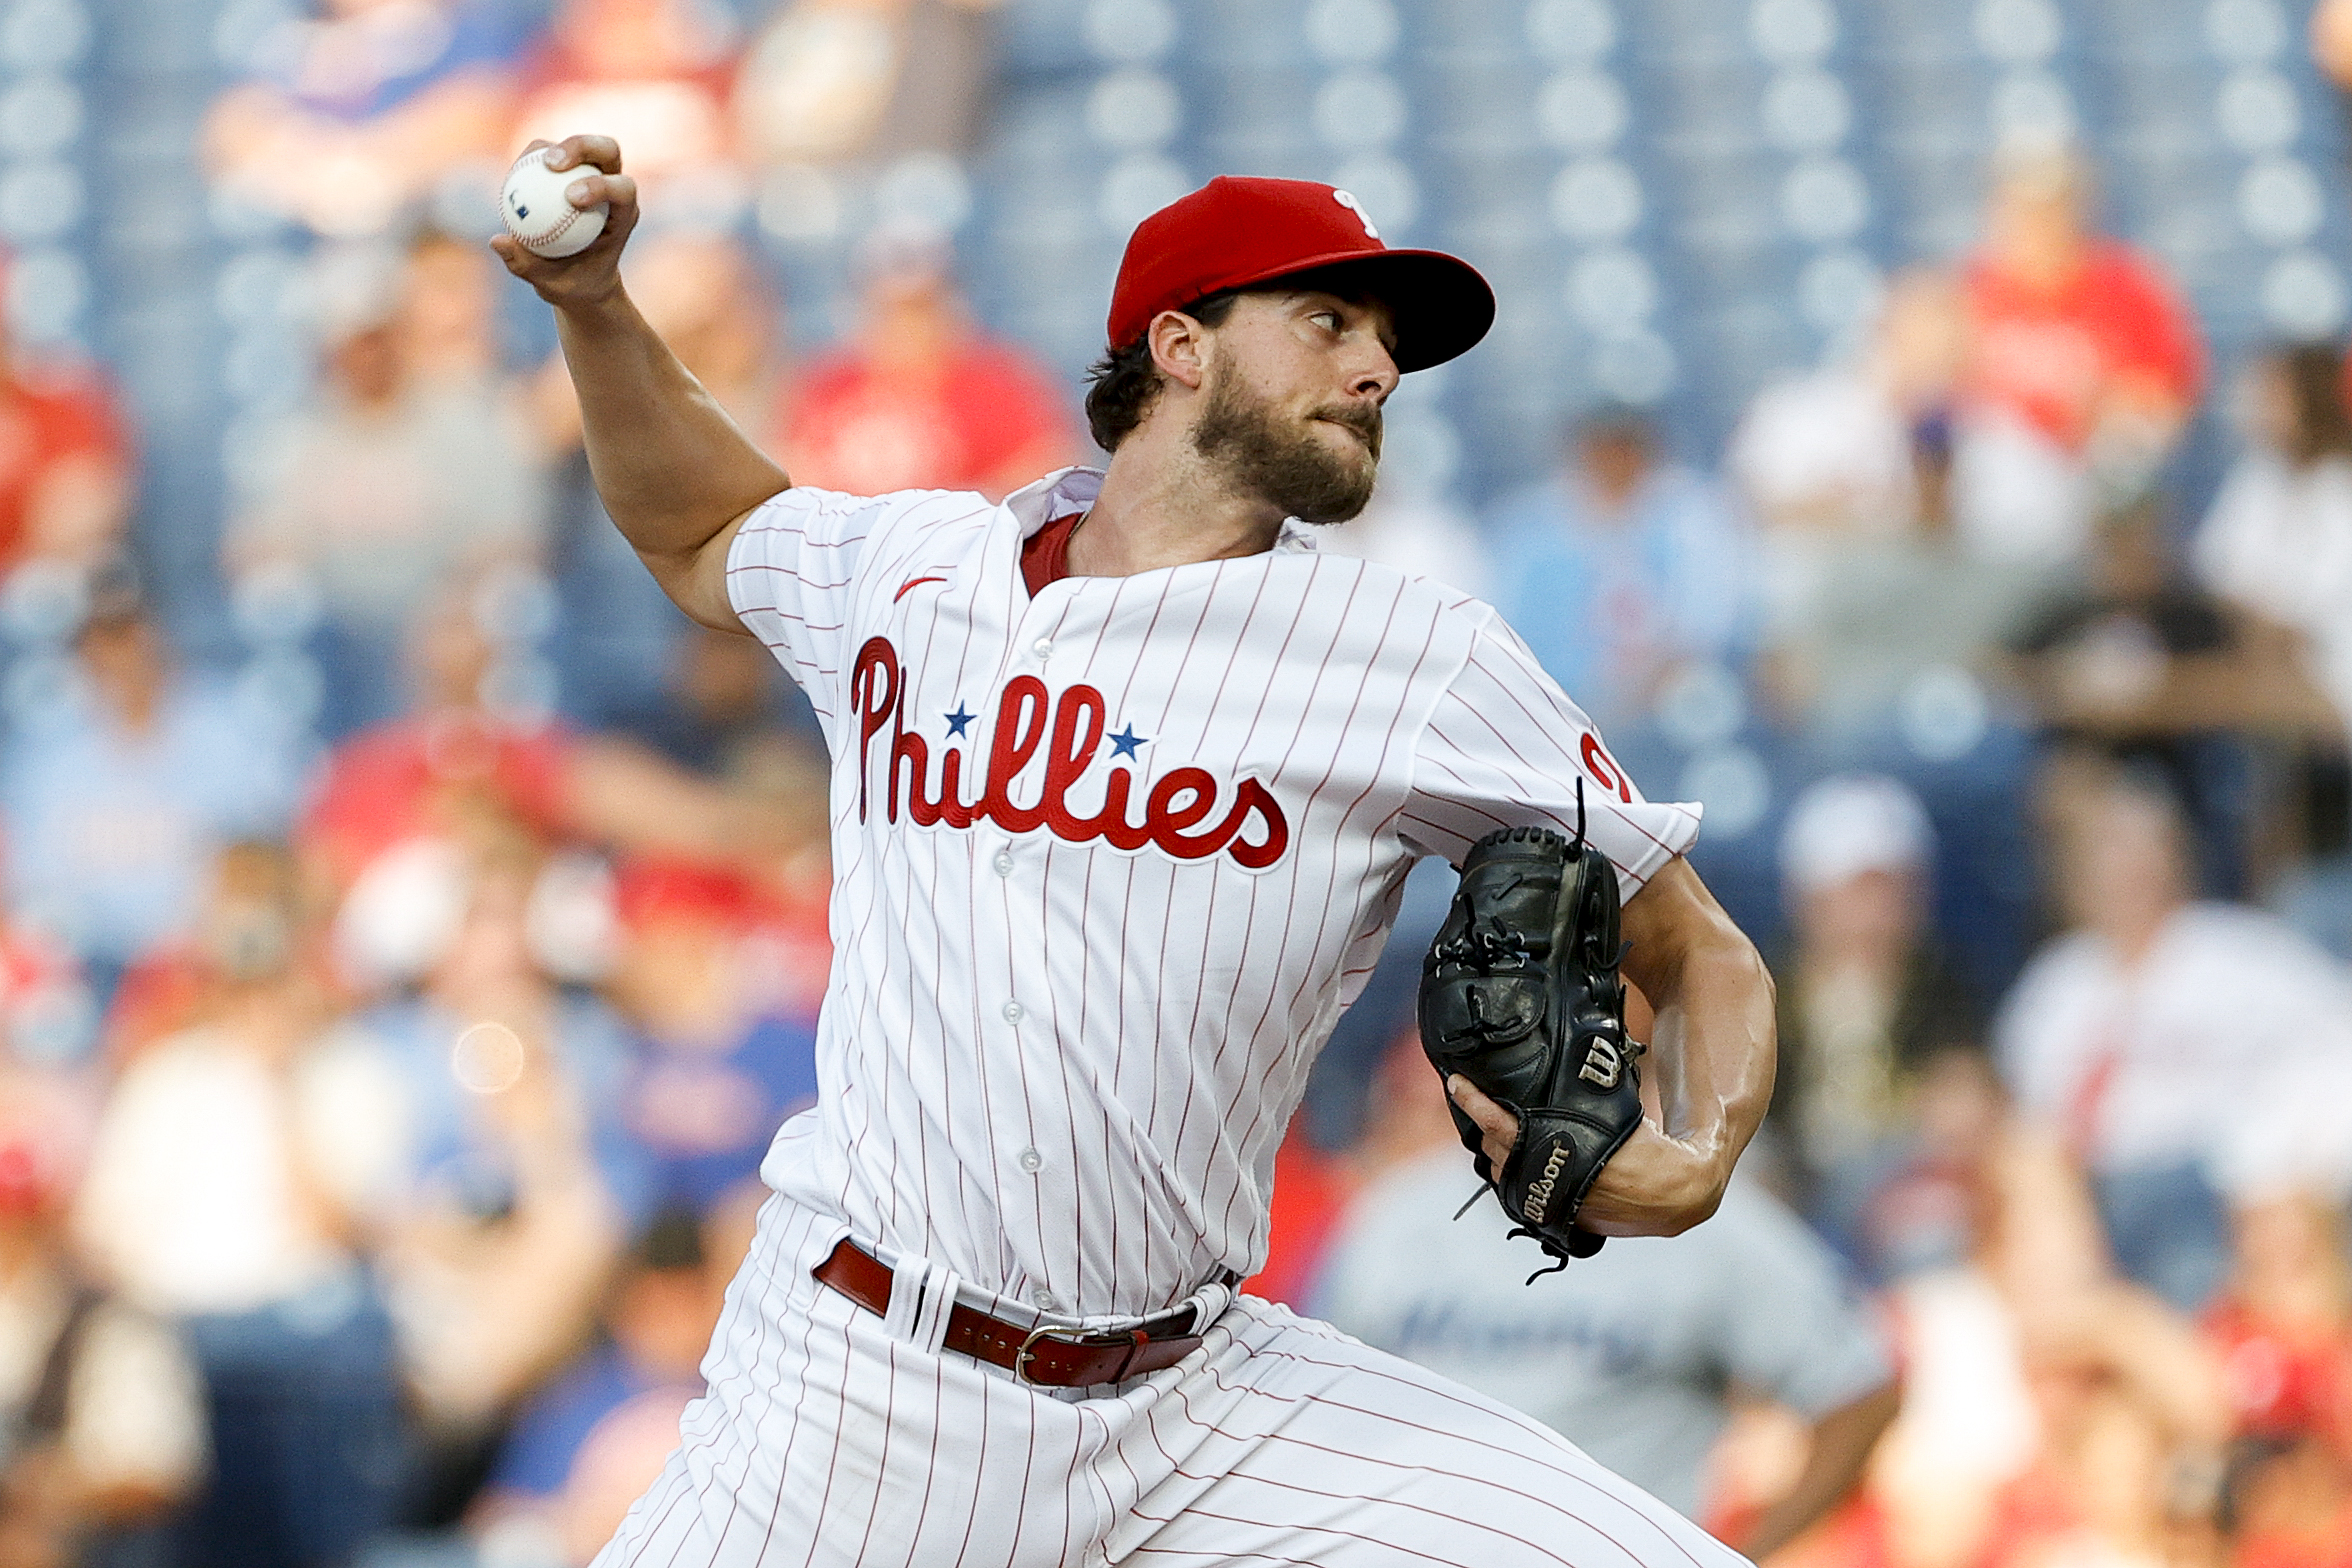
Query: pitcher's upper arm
(696, 580)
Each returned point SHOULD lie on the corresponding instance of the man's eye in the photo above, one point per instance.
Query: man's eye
(1329, 318)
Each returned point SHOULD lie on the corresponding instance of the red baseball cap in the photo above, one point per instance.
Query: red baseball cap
(1238, 232)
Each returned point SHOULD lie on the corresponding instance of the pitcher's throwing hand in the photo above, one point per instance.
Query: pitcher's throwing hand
(593, 273)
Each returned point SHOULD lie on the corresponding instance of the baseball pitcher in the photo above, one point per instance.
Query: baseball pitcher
(1127, 778)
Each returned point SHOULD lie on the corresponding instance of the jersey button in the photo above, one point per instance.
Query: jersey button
(1012, 1012)
(1043, 647)
(1004, 863)
(1045, 1300)
(1030, 1160)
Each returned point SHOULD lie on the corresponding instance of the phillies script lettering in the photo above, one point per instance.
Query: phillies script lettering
(1069, 730)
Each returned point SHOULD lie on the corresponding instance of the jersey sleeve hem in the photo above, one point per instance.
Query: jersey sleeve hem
(1504, 747)
(1673, 827)
(746, 546)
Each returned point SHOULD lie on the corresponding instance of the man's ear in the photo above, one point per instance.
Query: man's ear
(1179, 348)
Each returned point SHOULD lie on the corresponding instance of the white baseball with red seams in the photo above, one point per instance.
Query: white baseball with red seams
(538, 213)
(1109, 862)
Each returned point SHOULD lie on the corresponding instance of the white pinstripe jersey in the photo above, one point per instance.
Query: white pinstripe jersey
(1109, 862)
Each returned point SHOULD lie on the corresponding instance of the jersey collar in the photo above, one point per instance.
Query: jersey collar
(1058, 494)
(1073, 489)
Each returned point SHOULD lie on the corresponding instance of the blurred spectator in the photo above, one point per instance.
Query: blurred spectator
(2291, 1505)
(358, 114)
(2282, 1328)
(723, 716)
(2083, 366)
(2051, 1414)
(394, 484)
(48, 1018)
(921, 398)
(2098, 655)
(2276, 549)
(716, 1074)
(509, 1183)
(415, 777)
(1924, 1211)
(653, 74)
(619, 636)
(2118, 1031)
(101, 1413)
(1868, 999)
(2138, 664)
(1625, 568)
(121, 784)
(66, 466)
(2331, 40)
(1866, 591)
(2277, 544)
(586, 1445)
(835, 80)
(1868, 629)
(1628, 1354)
(1844, 453)
(230, 1168)
(2282, 1325)
(445, 309)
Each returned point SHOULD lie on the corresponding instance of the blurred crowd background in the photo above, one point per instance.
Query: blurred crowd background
(1916, 429)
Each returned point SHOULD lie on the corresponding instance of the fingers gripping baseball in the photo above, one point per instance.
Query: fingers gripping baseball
(593, 273)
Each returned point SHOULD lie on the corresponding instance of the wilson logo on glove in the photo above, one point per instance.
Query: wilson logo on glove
(1539, 1196)
(1520, 994)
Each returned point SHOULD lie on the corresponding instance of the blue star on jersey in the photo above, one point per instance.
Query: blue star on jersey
(1124, 744)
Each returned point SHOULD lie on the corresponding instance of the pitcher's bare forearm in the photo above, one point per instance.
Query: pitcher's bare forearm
(670, 465)
(1716, 1038)
(674, 472)
(1714, 1053)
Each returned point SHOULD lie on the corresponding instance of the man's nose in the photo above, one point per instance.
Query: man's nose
(1377, 377)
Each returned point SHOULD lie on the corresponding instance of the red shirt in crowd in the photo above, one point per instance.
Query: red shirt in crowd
(1854, 1534)
(783, 930)
(988, 420)
(42, 425)
(2327, 1547)
(389, 784)
(2280, 1384)
(2052, 356)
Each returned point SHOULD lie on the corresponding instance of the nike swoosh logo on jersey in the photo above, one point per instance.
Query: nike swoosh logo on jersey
(911, 584)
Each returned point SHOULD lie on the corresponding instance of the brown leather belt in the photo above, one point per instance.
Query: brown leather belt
(1051, 1358)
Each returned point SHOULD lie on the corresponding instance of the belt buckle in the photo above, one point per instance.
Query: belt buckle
(1028, 1351)
(1135, 1340)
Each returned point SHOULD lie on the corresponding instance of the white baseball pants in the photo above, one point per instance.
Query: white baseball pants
(829, 1436)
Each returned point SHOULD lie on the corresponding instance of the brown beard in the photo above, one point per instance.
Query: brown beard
(1283, 463)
